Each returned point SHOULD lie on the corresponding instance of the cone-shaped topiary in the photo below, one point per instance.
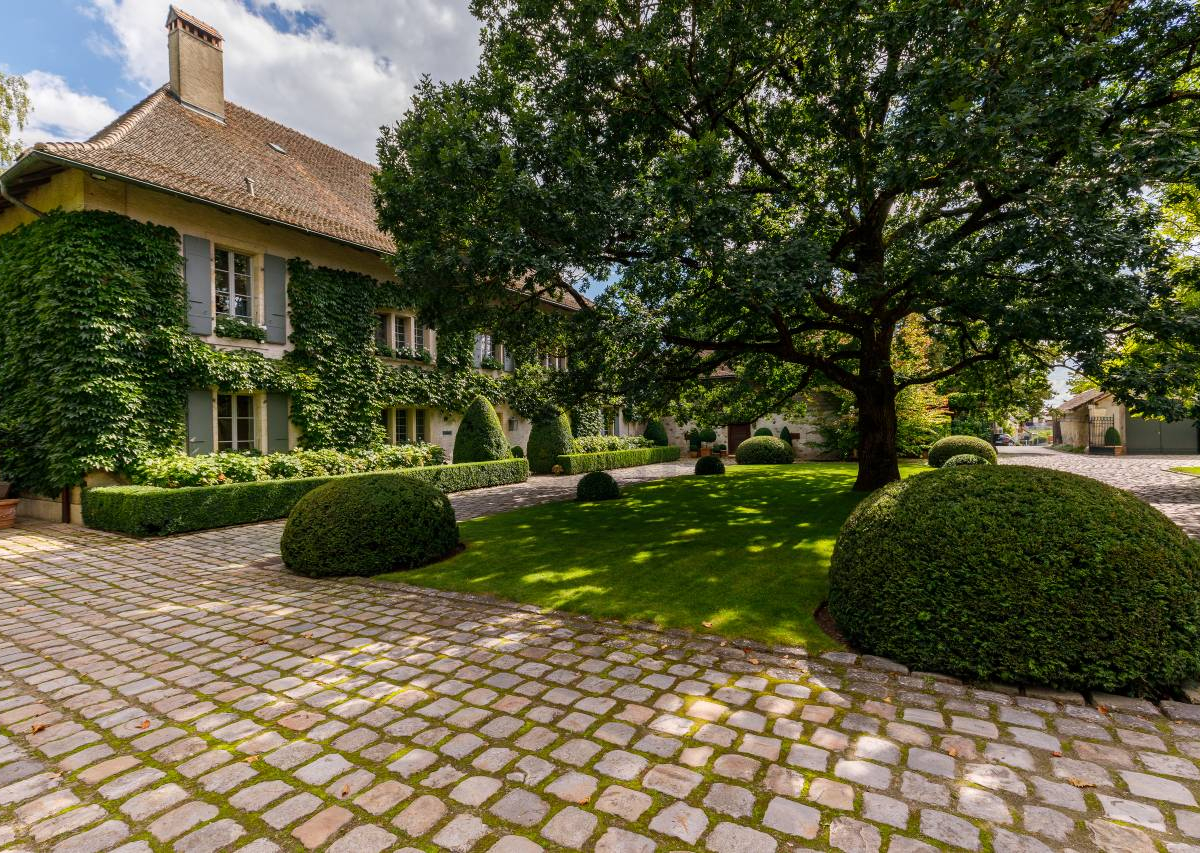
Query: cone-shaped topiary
(1112, 437)
(587, 422)
(964, 459)
(763, 431)
(480, 437)
(785, 434)
(710, 465)
(764, 450)
(597, 486)
(1020, 574)
(366, 525)
(953, 445)
(548, 439)
(656, 432)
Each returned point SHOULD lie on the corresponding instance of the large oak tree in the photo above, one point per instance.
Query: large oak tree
(775, 185)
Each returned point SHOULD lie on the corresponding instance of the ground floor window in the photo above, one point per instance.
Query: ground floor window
(235, 422)
(404, 426)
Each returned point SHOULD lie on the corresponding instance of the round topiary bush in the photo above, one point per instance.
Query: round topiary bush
(597, 486)
(707, 435)
(1112, 437)
(549, 438)
(762, 431)
(517, 451)
(710, 465)
(656, 432)
(367, 525)
(1020, 574)
(764, 450)
(480, 438)
(964, 459)
(956, 445)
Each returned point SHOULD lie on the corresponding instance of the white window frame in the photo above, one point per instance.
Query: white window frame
(230, 275)
(416, 336)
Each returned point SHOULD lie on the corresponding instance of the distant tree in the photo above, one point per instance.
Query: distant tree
(774, 186)
(14, 111)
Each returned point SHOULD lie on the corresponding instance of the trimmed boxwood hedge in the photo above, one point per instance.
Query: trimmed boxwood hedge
(956, 445)
(154, 511)
(581, 463)
(765, 450)
(362, 526)
(964, 459)
(597, 486)
(1018, 574)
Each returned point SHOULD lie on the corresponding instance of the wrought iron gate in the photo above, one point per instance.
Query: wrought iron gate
(1097, 427)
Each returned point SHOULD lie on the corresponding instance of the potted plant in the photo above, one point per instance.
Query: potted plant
(8, 506)
(719, 449)
(693, 439)
(707, 436)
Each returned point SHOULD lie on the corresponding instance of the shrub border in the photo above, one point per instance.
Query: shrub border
(155, 511)
(585, 463)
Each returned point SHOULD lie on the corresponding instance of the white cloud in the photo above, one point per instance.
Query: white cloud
(338, 81)
(60, 113)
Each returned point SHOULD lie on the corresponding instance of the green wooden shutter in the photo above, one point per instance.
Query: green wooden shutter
(200, 422)
(275, 298)
(197, 270)
(277, 423)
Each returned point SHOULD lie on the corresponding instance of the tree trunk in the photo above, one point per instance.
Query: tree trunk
(877, 462)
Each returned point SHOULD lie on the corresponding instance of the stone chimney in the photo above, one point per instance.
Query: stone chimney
(197, 75)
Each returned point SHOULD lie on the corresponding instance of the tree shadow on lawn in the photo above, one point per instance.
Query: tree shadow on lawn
(747, 552)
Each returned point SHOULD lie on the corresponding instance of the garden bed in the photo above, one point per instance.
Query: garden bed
(583, 463)
(156, 511)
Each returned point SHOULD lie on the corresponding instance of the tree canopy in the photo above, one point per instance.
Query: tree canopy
(771, 188)
(14, 110)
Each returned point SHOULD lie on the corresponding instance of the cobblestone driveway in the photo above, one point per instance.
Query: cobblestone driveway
(187, 694)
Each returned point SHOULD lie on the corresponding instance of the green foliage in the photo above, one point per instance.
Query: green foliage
(765, 450)
(709, 465)
(656, 432)
(175, 470)
(601, 443)
(154, 511)
(964, 459)
(480, 437)
(597, 486)
(956, 445)
(785, 434)
(368, 525)
(1023, 575)
(14, 110)
(549, 438)
(772, 188)
(236, 327)
(579, 463)
(587, 422)
(707, 435)
(763, 431)
(518, 452)
(1112, 437)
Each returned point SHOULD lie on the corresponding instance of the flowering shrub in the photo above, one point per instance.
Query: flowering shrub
(175, 470)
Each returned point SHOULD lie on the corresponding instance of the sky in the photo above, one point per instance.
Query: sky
(334, 69)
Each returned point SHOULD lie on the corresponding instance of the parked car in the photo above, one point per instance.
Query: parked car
(1004, 440)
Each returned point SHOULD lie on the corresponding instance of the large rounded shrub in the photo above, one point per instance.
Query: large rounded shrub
(764, 450)
(763, 431)
(656, 432)
(549, 438)
(597, 486)
(480, 437)
(367, 525)
(956, 445)
(1020, 574)
(964, 459)
(710, 465)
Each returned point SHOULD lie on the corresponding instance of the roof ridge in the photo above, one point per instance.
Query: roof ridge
(114, 131)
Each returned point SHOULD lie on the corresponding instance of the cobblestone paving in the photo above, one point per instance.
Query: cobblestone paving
(1148, 477)
(187, 694)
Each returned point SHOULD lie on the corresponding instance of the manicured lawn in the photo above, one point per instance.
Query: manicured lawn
(747, 552)
(1188, 469)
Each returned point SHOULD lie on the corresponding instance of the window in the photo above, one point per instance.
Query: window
(418, 336)
(401, 427)
(235, 422)
(400, 330)
(512, 424)
(508, 359)
(485, 348)
(231, 274)
(406, 425)
(419, 425)
(381, 330)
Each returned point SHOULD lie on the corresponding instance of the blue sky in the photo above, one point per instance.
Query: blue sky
(335, 69)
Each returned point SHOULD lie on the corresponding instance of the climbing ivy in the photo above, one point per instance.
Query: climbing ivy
(96, 359)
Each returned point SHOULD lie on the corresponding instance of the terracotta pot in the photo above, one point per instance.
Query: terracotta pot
(705, 451)
(8, 513)
(693, 454)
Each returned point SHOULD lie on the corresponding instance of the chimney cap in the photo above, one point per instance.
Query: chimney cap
(179, 19)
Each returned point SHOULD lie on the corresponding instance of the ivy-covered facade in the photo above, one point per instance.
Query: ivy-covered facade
(198, 279)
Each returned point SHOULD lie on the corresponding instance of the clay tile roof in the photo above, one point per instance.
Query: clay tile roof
(1080, 399)
(307, 184)
(174, 11)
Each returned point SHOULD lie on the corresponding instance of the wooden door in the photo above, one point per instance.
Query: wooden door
(737, 434)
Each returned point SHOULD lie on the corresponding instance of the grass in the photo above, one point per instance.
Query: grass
(1188, 469)
(743, 555)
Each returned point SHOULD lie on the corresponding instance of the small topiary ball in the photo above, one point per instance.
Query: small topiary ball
(763, 431)
(710, 465)
(367, 525)
(517, 451)
(597, 486)
(957, 445)
(1017, 574)
(964, 459)
(764, 450)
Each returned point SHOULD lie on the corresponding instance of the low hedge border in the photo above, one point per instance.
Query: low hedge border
(584, 463)
(155, 511)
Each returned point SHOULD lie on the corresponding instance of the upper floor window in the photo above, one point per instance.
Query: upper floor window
(487, 351)
(553, 362)
(235, 422)
(402, 336)
(234, 284)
